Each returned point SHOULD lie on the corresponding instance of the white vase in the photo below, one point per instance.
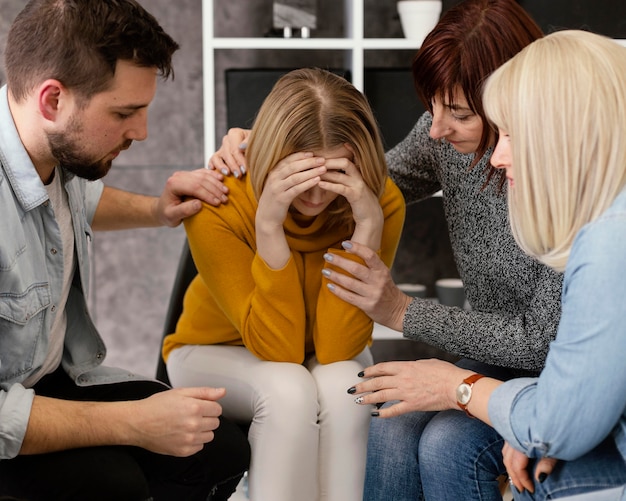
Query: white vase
(418, 17)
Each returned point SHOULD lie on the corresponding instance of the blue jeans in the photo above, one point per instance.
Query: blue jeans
(600, 469)
(435, 455)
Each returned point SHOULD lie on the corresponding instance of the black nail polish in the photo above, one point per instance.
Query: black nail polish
(375, 414)
(361, 374)
(351, 390)
(542, 477)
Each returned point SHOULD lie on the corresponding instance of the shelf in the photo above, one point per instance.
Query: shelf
(354, 44)
(313, 43)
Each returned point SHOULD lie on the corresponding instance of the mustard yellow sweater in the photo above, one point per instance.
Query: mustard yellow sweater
(279, 315)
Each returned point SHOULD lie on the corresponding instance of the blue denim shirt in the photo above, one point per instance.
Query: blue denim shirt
(580, 398)
(31, 271)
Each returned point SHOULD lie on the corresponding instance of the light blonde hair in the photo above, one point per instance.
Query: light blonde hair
(311, 109)
(562, 100)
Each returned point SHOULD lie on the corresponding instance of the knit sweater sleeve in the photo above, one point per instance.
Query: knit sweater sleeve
(517, 339)
(413, 162)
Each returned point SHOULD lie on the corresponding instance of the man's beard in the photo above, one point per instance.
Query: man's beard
(64, 148)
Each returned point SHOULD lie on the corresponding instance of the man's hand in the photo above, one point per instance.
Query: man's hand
(177, 422)
(184, 192)
(182, 197)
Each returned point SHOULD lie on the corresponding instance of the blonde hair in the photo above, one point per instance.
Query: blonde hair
(312, 109)
(562, 100)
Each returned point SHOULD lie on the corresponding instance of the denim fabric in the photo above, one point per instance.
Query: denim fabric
(597, 475)
(31, 266)
(580, 398)
(435, 455)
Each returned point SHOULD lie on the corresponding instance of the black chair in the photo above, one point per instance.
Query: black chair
(184, 275)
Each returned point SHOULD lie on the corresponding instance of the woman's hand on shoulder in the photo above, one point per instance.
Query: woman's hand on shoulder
(368, 286)
(231, 158)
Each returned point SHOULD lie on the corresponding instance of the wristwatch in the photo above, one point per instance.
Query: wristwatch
(464, 392)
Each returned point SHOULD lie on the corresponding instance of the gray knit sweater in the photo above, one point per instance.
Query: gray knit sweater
(515, 301)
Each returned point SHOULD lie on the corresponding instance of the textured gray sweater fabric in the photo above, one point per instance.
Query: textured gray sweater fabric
(515, 301)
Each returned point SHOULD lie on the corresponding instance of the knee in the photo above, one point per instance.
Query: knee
(453, 438)
(288, 394)
(404, 430)
(109, 474)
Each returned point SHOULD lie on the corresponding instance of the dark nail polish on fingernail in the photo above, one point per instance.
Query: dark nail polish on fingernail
(375, 414)
(351, 390)
(542, 477)
(361, 374)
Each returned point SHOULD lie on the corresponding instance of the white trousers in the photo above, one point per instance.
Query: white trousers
(308, 437)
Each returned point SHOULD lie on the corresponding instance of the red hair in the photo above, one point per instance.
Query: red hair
(472, 40)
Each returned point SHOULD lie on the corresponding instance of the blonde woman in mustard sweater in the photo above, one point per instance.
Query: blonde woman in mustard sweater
(259, 319)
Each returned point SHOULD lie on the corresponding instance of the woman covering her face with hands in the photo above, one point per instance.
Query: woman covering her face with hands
(259, 319)
(559, 109)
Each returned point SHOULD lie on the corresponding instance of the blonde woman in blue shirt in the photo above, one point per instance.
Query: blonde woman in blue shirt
(559, 109)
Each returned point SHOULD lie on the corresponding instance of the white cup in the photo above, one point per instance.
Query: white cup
(418, 17)
(413, 290)
(450, 292)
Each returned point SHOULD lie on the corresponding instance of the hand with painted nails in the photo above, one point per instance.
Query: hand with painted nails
(420, 385)
(368, 286)
(231, 158)
(516, 463)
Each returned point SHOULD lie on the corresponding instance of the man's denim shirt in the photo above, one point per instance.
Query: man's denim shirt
(31, 270)
(581, 396)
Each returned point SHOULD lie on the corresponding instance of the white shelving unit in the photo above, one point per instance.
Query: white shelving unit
(353, 44)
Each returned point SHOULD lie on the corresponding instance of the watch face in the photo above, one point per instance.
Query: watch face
(463, 393)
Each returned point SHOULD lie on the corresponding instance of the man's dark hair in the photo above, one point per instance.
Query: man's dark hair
(79, 42)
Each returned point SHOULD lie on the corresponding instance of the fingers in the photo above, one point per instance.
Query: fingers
(230, 158)
(516, 464)
(370, 257)
(341, 170)
(394, 410)
(182, 187)
(174, 214)
(378, 378)
(295, 174)
(203, 392)
(354, 268)
(544, 467)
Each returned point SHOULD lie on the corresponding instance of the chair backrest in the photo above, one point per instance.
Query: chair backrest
(184, 275)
